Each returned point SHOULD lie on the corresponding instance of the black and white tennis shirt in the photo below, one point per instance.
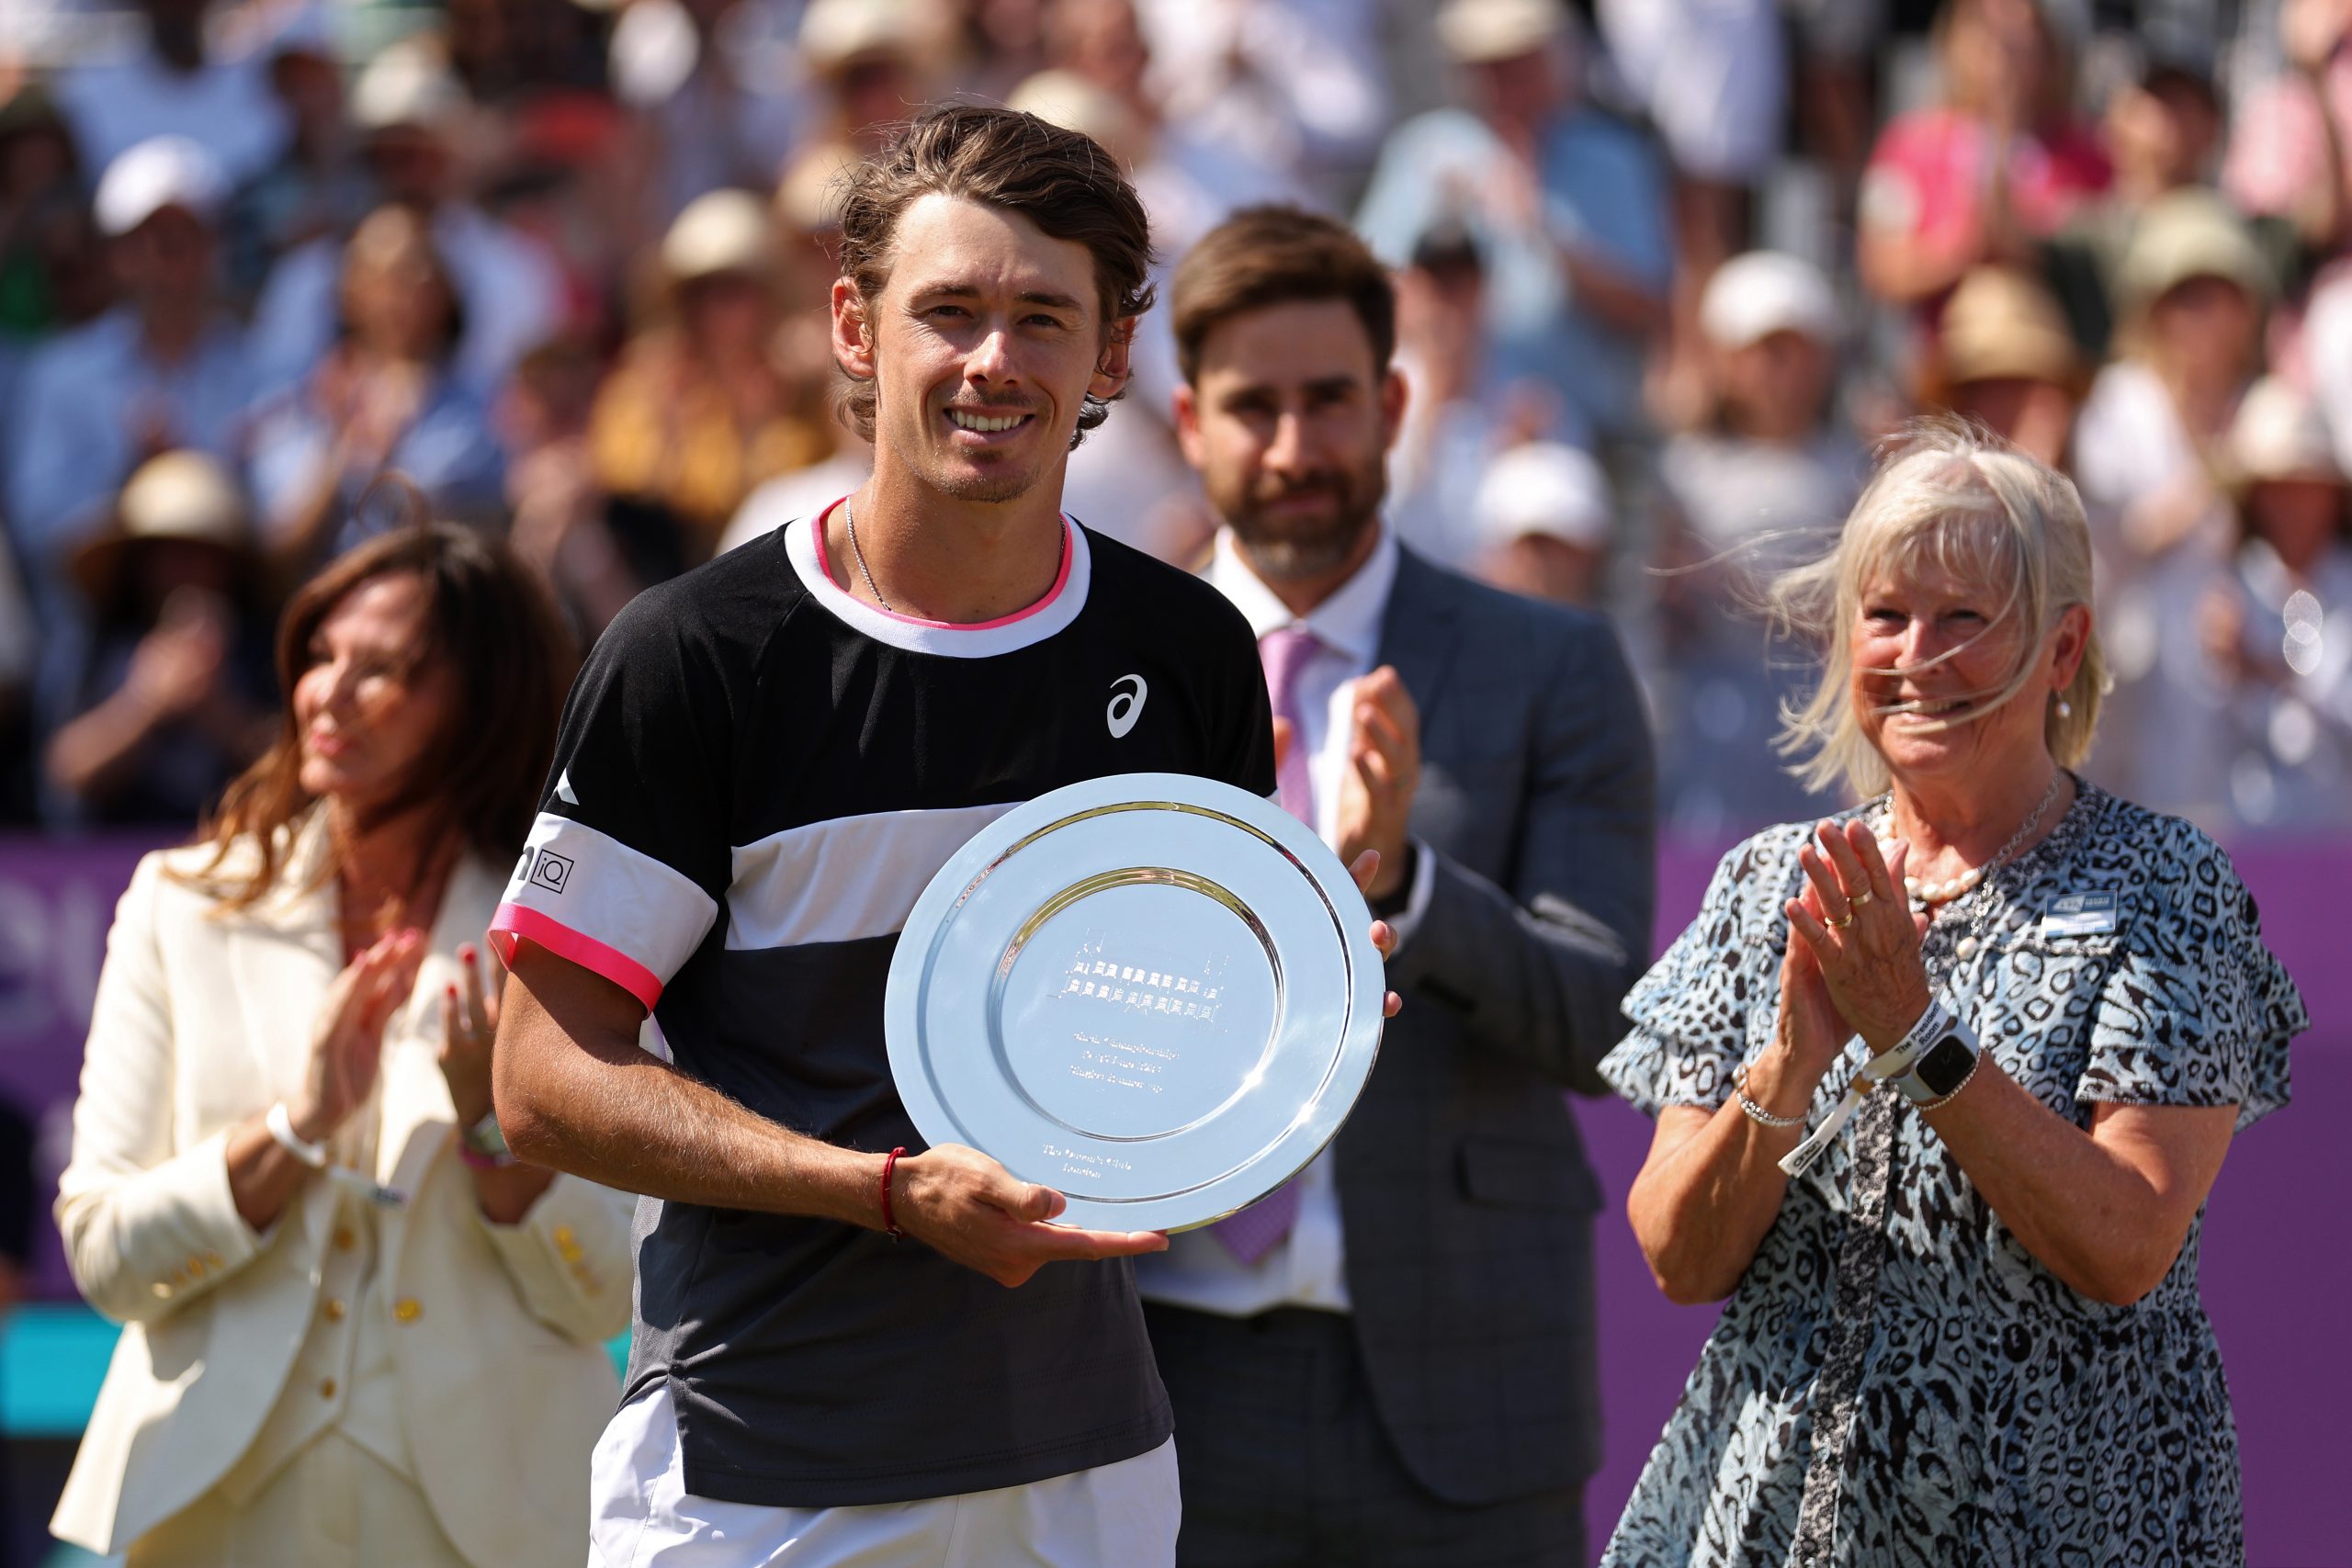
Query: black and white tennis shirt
(756, 776)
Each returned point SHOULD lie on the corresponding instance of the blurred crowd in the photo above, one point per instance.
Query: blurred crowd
(1666, 269)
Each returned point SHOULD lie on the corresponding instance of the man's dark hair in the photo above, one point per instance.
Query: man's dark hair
(1279, 255)
(1063, 181)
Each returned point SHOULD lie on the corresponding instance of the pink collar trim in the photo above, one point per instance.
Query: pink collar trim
(1061, 581)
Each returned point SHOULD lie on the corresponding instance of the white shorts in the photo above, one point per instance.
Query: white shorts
(641, 1516)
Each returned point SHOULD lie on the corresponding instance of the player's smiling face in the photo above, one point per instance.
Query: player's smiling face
(982, 347)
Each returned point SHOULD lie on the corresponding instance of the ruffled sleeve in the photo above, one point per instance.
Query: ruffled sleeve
(1691, 1012)
(2198, 1011)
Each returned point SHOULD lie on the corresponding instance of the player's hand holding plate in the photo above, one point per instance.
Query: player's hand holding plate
(1155, 993)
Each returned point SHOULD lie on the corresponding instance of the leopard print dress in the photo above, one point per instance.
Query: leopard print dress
(1896, 1381)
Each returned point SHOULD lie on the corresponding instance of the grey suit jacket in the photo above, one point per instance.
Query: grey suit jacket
(1467, 1200)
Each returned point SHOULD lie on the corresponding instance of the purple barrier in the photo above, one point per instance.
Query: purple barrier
(2278, 1238)
(56, 902)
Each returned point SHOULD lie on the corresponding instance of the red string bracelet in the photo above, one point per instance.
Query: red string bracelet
(889, 1217)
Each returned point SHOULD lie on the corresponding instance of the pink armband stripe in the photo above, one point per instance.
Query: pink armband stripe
(517, 919)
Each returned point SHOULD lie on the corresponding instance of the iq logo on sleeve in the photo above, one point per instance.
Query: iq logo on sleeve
(550, 871)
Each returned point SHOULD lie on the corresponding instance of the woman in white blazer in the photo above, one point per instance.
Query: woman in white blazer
(355, 1333)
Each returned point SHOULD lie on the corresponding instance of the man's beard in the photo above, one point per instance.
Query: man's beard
(1284, 548)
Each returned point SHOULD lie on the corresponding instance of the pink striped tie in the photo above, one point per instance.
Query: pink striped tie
(1285, 652)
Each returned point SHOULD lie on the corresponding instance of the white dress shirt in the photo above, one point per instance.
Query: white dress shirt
(1308, 1267)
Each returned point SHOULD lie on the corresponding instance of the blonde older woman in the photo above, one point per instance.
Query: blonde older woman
(1968, 1330)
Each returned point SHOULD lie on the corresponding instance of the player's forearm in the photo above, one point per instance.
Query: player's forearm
(572, 1099)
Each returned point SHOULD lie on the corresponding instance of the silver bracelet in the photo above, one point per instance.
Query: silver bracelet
(1757, 1112)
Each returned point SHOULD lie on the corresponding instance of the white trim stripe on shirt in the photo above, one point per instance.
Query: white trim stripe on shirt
(1021, 630)
(845, 879)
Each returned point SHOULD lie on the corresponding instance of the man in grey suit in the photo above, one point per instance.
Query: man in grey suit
(1390, 1360)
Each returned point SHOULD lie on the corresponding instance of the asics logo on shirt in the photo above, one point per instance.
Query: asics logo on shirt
(1127, 693)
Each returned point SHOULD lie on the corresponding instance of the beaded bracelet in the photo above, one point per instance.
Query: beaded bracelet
(1757, 1112)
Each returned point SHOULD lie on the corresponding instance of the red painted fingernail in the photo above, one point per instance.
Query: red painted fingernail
(466, 954)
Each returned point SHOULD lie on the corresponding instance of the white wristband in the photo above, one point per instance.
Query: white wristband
(281, 1127)
(1897, 1058)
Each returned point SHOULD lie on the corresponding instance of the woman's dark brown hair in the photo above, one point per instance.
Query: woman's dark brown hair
(1060, 180)
(491, 624)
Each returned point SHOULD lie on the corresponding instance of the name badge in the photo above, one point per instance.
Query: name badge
(2080, 914)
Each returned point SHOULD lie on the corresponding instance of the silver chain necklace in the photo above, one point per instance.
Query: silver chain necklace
(850, 522)
(1980, 908)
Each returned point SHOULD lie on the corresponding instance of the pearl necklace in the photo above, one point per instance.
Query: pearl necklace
(1929, 895)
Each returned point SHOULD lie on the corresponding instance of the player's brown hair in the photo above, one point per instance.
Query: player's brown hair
(1061, 181)
(1279, 255)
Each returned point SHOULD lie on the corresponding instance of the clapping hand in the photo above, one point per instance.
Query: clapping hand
(1856, 921)
(1383, 774)
(468, 1024)
(177, 666)
(347, 1043)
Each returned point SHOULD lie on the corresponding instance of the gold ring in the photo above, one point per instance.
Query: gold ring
(1839, 925)
(1858, 899)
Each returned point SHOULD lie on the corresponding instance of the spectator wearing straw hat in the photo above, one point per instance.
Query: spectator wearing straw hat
(2005, 360)
(175, 699)
(698, 412)
(411, 111)
(870, 63)
(2152, 443)
(2270, 625)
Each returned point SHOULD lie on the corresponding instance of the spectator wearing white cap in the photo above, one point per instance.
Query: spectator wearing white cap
(2272, 624)
(411, 111)
(174, 83)
(1568, 204)
(1545, 524)
(165, 369)
(1773, 471)
(175, 699)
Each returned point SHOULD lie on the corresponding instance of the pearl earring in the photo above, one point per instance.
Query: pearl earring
(2066, 708)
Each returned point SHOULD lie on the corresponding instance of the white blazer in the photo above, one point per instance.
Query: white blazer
(202, 1021)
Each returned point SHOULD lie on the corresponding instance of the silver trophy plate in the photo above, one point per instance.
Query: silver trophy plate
(1154, 993)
